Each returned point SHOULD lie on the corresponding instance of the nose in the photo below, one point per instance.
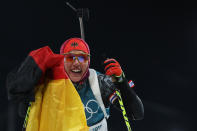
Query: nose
(76, 61)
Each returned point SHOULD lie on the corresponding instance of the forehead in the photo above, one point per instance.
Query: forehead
(76, 52)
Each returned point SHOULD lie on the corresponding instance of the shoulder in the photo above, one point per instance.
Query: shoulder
(105, 81)
(104, 78)
(99, 74)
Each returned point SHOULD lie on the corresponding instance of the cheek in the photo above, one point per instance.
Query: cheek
(67, 66)
(85, 66)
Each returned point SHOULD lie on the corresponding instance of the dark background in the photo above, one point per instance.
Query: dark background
(154, 41)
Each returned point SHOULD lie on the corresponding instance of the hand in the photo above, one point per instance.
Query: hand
(54, 60)
(112, 68)
(45, 58)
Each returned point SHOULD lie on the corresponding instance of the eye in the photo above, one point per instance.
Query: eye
(81, 58)
(69, 58)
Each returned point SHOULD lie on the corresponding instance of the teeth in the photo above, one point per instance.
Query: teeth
(76, 71)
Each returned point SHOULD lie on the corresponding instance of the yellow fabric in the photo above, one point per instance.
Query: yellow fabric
(57, 107)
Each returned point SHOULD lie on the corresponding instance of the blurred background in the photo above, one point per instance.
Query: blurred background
(154, 41)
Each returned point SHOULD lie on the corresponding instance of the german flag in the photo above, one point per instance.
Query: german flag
(57, 105)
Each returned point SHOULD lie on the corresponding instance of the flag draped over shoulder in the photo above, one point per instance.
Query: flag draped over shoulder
(57, 105)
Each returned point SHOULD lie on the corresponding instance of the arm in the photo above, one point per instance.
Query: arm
(132, 102)
(21, 82)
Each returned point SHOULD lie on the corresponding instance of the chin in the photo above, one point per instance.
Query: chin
(75, 79)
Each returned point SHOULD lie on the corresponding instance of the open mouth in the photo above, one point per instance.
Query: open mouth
(76, 71)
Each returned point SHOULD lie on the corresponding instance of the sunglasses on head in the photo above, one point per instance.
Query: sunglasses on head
(80, 57)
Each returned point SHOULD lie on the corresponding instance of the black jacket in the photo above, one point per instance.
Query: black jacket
(132, 102)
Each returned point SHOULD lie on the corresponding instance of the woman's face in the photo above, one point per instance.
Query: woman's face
(76, 64)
